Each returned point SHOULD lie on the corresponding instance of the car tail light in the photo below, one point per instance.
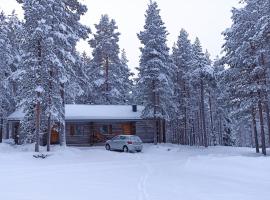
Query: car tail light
(129, 142)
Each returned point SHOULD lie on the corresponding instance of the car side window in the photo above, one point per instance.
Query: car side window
(115, 138)
(122, 137)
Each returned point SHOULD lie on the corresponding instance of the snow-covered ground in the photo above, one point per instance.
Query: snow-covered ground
(164, 172)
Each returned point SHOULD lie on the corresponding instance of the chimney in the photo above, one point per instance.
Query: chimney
(134, 108)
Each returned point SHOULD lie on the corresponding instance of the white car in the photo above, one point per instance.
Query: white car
(126, 143)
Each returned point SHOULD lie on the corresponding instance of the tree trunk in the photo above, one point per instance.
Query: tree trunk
(155, 112)
(220, 131)
(261, 122)
(49, 131)
(37, 126)
(1, 129)
(164, 131)
(160, 134)
(199, 128)
(62, 122)
(203, 115)
(211, 120)
(267, 118)
(156, 132)
(107, 79)
(185, 128)
(38, 106)
(160, 131)
(255, 131)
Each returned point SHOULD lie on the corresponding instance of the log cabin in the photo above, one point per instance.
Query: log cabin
(87, 125)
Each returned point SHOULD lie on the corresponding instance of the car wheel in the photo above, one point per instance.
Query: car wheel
(139, 151)
(125, 149)
(108, 147)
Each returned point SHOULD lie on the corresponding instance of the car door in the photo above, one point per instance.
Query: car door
(114, 142)
(122, 142)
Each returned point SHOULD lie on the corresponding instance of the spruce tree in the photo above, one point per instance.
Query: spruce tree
(155, 70)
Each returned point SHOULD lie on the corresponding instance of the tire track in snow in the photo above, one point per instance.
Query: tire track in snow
(143, 194)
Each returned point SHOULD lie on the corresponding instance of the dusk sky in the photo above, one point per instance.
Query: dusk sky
(203, 18)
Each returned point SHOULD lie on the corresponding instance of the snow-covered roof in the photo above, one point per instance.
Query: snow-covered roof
(93, 112)
(17, 115)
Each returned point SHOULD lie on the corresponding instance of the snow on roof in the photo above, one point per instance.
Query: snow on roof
(93, 112)
(102, 112)
(17, 115)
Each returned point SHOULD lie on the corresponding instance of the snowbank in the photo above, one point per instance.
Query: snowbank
(164, 172)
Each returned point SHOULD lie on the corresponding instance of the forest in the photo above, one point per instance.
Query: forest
(202, 101)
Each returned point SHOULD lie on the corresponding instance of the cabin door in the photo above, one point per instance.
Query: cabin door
(127, 128)
(54, 137)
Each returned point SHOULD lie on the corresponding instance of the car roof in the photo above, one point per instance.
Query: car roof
(128, 135)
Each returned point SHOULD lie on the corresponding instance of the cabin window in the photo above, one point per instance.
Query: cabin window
(72, 130)
(106, 129)
(79, 130)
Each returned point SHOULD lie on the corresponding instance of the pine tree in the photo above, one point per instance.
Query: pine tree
(201, 75)
(53, 30)
(83, 82)
(222, 122)
(5, 72)
(182, 58)
(126, 81)
(247, 76)
(106, 64)
(155, 71)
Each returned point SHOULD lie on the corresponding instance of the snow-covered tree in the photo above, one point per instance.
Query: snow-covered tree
(5, 71)
(156, 68)
(53, 29)
(222, 132)
(201, 75)
(83, 81)
(246, 47)
(125, 76)
(106, 64)
(182, 58)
